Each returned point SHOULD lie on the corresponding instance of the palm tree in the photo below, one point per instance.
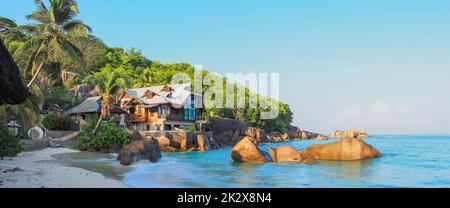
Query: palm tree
(8, 28)
(54, 24)
(144, 79)
(109, 82)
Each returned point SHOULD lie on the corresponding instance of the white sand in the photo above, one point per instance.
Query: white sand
(36, 171)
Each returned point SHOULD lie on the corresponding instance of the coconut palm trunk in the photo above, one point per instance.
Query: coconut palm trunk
(105, 110)
(37, 72)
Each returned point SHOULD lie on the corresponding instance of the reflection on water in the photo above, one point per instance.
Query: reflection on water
(348, 169)
(408, 161)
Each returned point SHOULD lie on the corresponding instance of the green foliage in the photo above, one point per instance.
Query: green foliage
(94, 55)
(109, 80)
(191, 128)
(106, 136)
(59, 96)
(9, 144)
(52, 121)
(63, 43)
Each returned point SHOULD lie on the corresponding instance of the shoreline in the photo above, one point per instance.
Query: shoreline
(38, 169)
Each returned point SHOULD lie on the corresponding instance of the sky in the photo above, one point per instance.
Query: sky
(382, 65)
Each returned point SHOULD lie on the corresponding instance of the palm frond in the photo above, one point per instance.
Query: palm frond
(72, 50)
(77, 26)
(42, 16)
(6, 24)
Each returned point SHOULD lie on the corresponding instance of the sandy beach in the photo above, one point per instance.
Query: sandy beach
(36, 170)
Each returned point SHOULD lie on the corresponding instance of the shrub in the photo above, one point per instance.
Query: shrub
(105, 137)
(9, 144)
(52, 121)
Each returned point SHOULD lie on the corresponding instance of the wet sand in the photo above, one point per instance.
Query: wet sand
(57, 168)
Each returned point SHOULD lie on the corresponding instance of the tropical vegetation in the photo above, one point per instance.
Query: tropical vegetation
(107, 135)
(55, 41)
(9, 144)
(53, 121)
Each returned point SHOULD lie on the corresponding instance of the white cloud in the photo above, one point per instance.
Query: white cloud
(380, 109)
(378, 114)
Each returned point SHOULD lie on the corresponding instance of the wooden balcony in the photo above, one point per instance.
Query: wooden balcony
(202, 118)
(137, 118)
(173, 117)
(181, 118)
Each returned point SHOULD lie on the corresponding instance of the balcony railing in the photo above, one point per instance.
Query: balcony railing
(202, 118)
(140, 118)
(174, 117)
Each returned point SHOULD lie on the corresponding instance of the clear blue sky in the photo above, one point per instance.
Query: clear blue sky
(383, 65)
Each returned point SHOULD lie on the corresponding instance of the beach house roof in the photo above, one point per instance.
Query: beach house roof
(177, 94)
(93, 105)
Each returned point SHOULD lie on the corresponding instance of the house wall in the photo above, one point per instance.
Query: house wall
(152, 116)
(145, 119)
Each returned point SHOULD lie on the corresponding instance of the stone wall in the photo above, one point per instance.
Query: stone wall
(180, 141)
(58, 134)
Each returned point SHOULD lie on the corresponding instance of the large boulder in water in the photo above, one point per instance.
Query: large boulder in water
(285, 154)
(309, 161)
(147, 148)
(247, 151)
(343, 150)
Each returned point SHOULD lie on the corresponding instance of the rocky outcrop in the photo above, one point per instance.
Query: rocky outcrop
(147, 148)
(362, 133)
(228, 132)
(350, 134)
(343, 150)
(306, 135)
(285, 154)
(182, 141)
(295, 133)
(203, 142)
(259, 135)
(278, 137)
(247, 151)
(12, 90)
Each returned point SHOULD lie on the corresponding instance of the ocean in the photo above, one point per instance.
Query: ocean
(408, 161)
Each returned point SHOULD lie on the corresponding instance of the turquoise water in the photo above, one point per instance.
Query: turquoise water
(408, 161)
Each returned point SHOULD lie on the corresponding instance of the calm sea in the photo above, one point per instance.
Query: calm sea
(408, 161)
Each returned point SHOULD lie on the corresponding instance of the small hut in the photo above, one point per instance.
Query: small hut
(90, 109)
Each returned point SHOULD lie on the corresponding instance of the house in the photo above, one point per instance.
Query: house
(164, 108)
(90, 109)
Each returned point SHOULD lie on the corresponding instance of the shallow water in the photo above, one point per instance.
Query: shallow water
(408, 161)
(105, 164)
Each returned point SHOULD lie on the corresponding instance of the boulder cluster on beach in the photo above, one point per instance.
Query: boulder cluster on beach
(245, 139)
(343, 150)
